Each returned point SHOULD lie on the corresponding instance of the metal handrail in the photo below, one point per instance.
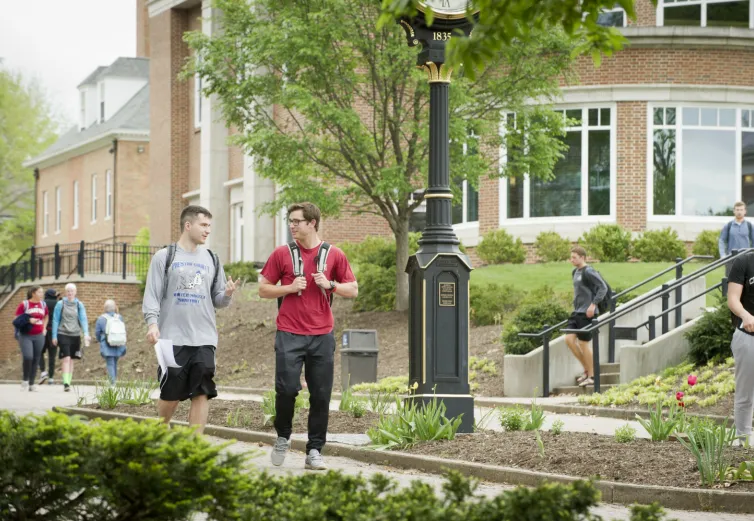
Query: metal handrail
(719, 285)
(663, 272)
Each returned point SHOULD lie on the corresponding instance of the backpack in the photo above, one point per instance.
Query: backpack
(748, 225)
(115, 331)
(603, 306)
(298, 264)
(169, 261)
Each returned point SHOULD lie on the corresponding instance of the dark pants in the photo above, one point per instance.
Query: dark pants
(52, 352)
(31, 348)
(316, 353)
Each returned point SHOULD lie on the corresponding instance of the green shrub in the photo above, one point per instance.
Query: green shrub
(625, 434)
(624, 298)
(513, 418)
(113, 470)
(547, 293)
(241, 270)
(709, 339)
(492, 303)
(530, 319)
(659, 245)
(498, 247)
(377, 250)
(142, 258)
(706, 243)
(607, 242)
(376, 288)
(557, 427)
(551, 247)
(388, 385)
(412, 423)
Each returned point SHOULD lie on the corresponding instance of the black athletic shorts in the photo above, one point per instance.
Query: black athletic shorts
(579, 321)
(193, 378)
(69, 346)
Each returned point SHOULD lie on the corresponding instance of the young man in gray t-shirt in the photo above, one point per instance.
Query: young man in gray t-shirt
(181, 308)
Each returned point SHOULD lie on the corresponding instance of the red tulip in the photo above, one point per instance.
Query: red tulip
(679, 396)
(692, 380)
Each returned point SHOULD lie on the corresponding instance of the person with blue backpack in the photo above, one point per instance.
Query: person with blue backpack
(68, 323)
(737, 234)
(110, 332)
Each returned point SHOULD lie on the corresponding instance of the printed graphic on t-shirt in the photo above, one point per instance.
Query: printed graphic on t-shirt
(191, 283)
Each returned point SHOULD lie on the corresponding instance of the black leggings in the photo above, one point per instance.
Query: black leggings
(52, 352)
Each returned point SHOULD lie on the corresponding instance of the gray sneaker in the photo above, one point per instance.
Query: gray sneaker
(279, 451)
(314, 461)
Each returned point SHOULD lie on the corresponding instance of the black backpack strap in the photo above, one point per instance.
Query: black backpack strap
(168, 261)
(297, 263)
(216, 263)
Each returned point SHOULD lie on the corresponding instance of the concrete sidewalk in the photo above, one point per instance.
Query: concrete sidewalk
(48, 396)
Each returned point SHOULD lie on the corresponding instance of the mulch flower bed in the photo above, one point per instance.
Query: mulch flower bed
(580, 454)
(251, 417)
(722, 408)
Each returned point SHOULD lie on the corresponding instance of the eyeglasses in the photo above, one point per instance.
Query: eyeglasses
(296, 222)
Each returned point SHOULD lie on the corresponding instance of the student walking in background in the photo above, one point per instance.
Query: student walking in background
(32, 316)
(51, 300)
(68, 324)
(737, 234)
(110, 332)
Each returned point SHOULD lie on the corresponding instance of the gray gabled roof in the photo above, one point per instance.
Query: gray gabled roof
(133, 116)
(121, 68)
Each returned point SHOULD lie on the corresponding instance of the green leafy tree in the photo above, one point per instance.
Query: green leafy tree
(335, 111)
(502, 24)
(26, 129)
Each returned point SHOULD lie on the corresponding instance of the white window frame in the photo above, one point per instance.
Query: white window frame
(94, 198)
(58, 211)
(197, 101)
(75, 205)
(615, 10)
(660, 16)
(236, 232)
(108, 195)
(584, 128)
(101, 105)
(465, 195)
(45, 215)
(678, 127)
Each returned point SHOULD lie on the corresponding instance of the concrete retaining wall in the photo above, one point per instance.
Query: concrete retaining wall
(523, 373)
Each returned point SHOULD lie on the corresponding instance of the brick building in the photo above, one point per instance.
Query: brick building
(664, 136)
(90, 183)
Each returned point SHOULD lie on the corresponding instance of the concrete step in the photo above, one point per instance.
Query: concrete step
(610, 368)
(576, 389)
(609, 378)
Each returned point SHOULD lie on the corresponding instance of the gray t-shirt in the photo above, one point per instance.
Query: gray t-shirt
(69, 318)
(187, 313)
(588, 288)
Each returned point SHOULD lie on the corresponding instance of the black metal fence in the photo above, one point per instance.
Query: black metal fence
(631, 332)
(61, 261)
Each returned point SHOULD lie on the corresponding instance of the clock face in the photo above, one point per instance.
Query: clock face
(446, 8)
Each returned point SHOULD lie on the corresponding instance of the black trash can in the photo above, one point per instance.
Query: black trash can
(358, 357)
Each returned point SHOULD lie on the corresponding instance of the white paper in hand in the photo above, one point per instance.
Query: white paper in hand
(165, 358)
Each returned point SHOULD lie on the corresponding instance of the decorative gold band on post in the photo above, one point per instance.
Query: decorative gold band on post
(437, 73)
(438, 196)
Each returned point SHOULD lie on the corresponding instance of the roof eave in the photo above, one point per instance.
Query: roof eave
(68, 152)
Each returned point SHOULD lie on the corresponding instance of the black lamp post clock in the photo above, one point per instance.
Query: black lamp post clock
(439, 271)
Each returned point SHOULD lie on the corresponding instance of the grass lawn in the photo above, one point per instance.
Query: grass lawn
(558, 275)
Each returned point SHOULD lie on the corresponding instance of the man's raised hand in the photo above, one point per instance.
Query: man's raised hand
(231, 286)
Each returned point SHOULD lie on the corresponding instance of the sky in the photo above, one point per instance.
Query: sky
(60, 42)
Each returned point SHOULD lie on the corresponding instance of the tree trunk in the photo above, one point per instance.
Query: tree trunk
(401, 259)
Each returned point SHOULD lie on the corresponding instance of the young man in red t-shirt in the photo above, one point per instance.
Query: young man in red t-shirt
(304, 329)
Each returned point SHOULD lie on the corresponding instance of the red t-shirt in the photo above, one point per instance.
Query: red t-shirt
(36, 310)
(309, 314)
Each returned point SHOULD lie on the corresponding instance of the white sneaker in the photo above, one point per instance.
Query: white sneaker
(24, 386)
(32, 388)
(279, 451)
(43, 377)
(314, 461)
(589, 381)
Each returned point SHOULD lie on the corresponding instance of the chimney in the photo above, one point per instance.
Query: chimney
(142, 29)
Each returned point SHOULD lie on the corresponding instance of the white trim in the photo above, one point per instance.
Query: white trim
(58, 210)
(108, 194)
(688, 36)
(198, 102)
(468, 233)
(234, 182)
(583, 95)
(703, 12)
(76, 205)
(192, 194)
(157, 7)
(93, 143)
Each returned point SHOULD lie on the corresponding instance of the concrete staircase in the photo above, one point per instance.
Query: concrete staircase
(609, 377)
